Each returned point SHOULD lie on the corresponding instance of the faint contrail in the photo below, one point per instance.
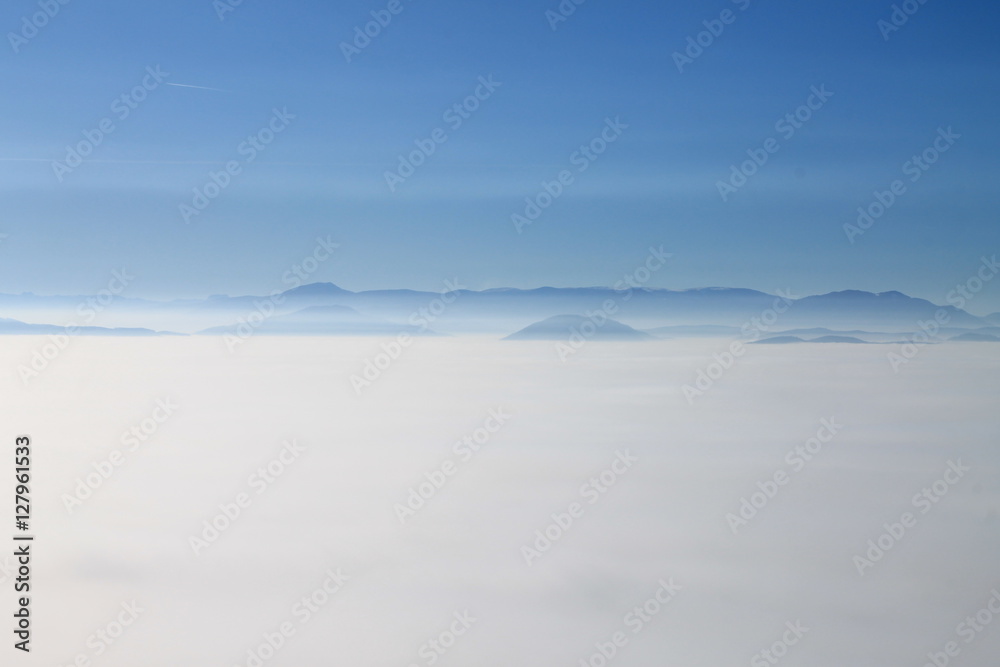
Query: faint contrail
(188, 85)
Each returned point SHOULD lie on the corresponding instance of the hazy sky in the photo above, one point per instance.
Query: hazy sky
(324, 173)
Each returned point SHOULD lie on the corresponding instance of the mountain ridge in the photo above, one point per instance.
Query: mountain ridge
(501, 309)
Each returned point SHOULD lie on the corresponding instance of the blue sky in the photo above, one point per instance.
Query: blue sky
(324, 174)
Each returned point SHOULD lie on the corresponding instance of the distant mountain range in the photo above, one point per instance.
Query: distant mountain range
(975, 337)
(326, 309)
(10, 327)
(565, 327)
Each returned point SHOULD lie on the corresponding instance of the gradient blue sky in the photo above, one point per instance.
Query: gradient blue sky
(656, 186)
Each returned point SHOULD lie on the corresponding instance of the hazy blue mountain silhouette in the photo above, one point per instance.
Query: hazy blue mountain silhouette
(779, 340)
(893, 310)
(9, 327)
(837, 339)
(973, 337)
(732, 307)
(711, 311)
(562, 327)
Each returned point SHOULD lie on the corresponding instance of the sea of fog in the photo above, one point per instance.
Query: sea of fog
(479, 503)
